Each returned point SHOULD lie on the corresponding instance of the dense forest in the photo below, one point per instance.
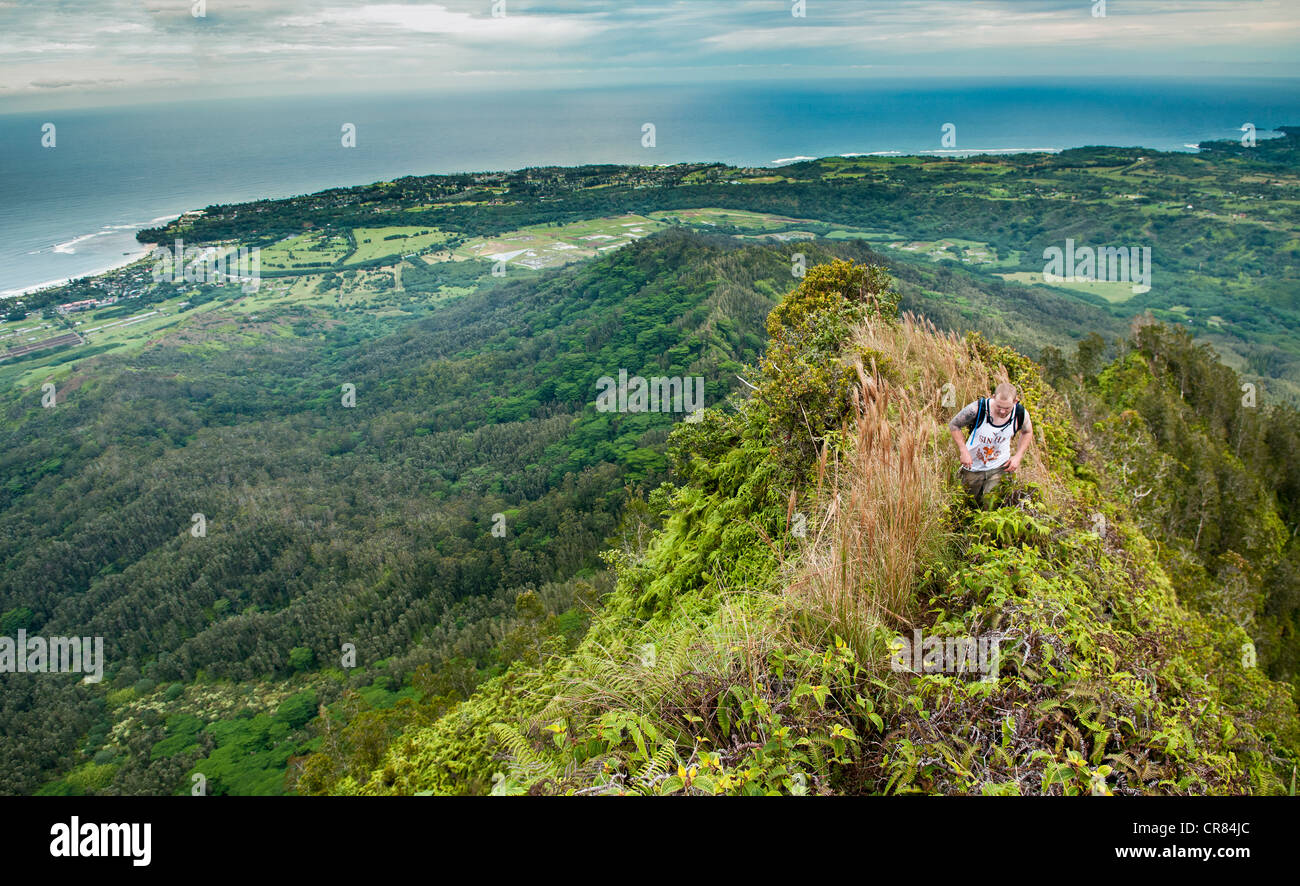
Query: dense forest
(324, 524)
(1205, 468)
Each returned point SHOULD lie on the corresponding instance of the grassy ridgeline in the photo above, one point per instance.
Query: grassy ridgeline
(741, 655)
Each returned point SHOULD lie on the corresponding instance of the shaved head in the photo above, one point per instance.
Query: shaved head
(1005, 391)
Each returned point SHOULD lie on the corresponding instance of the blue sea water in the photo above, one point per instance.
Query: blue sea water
(73, 209)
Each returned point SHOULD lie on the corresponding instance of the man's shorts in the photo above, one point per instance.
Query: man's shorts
(980, 483)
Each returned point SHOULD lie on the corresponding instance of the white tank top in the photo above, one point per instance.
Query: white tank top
(990, 444)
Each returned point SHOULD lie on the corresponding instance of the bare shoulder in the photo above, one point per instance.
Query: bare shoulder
(966, 417)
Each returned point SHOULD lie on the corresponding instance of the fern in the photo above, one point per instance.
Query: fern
(529, 765)
(658, 764)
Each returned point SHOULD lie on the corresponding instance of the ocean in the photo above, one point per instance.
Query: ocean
(72, 210)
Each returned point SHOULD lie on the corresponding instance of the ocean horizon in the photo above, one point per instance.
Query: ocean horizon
(73, 210)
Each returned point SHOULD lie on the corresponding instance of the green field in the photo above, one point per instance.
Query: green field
(736, 218)
(372, 243)
(973, 252)
(883, 236)
(322, 249)
(549, 246)
(1115, 293)
(309, 250)
(119, 335)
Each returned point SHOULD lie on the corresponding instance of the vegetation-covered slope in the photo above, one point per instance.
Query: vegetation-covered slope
(1207, 469)
(747, 645)
(326, 524)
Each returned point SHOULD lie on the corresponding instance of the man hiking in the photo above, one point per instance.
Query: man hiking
(986, 453)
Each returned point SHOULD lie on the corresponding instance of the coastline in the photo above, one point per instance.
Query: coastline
(958, 152)
(778, 163)
(123, 261)
(54, 284)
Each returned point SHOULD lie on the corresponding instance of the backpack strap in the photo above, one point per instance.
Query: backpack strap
(979, 413)
(1019, 421)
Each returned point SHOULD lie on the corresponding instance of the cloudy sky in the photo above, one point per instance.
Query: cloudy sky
(70, 53)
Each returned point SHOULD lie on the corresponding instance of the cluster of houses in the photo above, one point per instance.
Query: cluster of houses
(127, 283)
(86, 304)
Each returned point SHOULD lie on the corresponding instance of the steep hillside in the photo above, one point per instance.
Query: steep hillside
(445, 524)
(328, 521)
(814, 523)
(1205, 465)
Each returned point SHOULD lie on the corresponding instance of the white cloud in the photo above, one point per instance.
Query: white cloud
(960, 24)
(437, 19)
(337, 45)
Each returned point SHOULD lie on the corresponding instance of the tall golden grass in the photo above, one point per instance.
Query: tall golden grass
(883, 503)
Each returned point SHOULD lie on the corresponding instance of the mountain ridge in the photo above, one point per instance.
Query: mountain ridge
(733, 657)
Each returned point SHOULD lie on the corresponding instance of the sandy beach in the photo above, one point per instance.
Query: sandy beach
(128, 258)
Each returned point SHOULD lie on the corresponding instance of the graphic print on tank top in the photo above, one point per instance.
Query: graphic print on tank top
(990, 444)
